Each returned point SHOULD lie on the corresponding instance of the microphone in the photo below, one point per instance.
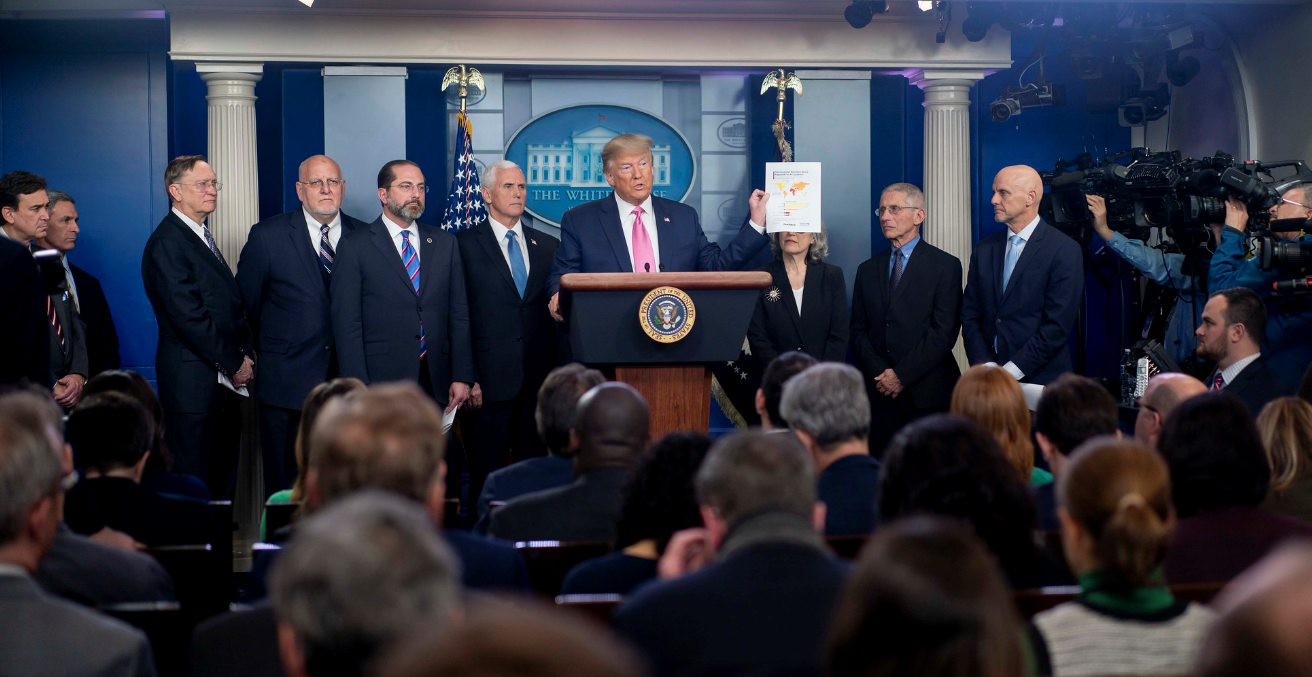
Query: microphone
(647, 267)
(662, 267)
(1289, 225)
(1294, 286)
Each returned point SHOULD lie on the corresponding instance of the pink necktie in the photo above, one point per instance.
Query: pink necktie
(644, 260)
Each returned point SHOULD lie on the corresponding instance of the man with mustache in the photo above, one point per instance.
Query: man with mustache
(399, 310)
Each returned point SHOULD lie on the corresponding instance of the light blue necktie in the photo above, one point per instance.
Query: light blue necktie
(411, 260)
(1009, 264)
(517, 269)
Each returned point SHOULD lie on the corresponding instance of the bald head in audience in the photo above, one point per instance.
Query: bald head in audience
(611, 427)
(1265, 614)
(1160, 397)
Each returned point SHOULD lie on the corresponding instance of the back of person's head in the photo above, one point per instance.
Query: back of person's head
(992, 398)
(611, 426)
(35, 406)
(749, 472)
(945, 464)
(925, 598)
(355, 578)
(1285, 426)
(1264, 616)
(29, 473)
(658, 497)
(828, 403)
(528, 639)
(1215, 455)
(1244, 306)
(558, 403)
(388, 437)
(319, 397)
(136, 386)
(1074, 409)
(1119, 493)
(776, 374)
(109, 432)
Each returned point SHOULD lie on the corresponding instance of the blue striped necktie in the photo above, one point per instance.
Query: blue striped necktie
(411, 259)
(326, 252)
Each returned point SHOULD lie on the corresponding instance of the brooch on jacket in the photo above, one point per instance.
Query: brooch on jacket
(773, 295)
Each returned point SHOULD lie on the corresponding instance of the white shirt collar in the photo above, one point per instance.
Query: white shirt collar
(395, 228)
(314, 223)
(196, 228)
(1027, 232)
(1231, 372)
(626, 209)
(500, 230)
(7, 569)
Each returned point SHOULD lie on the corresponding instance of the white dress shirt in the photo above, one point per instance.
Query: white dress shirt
(499, 232)
(648, 222)
(196, 228)
(797, 296)
(313, 226)
(1025, 234)
(72, 286)
(395, 231)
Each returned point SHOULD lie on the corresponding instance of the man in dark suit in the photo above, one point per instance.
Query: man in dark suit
(1024, 286)
(611, 428)
(283, 273)
(22, 312)
(84, 290)
(70, 363)
(203, 335)
(399, 309)
(632, 231)
(1234, 324)
(24, 218)
(762, 584)
(506, 265)
(905, 319)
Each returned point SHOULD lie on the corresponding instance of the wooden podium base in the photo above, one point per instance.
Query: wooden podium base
(678, 395)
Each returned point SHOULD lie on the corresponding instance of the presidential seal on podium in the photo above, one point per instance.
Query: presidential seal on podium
(666, 314)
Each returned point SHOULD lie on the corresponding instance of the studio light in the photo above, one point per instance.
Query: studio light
(925, 5)
(860, 12)
(308, 3)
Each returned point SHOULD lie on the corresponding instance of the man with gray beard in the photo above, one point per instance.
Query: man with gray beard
(399, 309)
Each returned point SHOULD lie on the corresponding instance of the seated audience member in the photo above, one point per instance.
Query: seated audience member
(525, 640)
(557, 403)
(752, 592)
(77, 568)
(355, 578)
(41, 635)
(1162, 394)
(991, 397)
(776, 373)
(827, 408)
(658, 500)
(1285, 425)
(1263, 615)
(925, 598)
(110, 435)
(1072, 410)
(158, 477)
(1234, 324)
(1116, 524)
(1219, 476)
(948, 465)
(319, 396)
(611, 430)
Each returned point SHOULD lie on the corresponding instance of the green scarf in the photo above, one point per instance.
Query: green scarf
(1094, 590)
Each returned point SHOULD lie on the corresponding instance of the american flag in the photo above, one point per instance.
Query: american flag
(464, 202)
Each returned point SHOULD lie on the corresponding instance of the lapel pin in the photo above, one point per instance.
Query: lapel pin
(430, 240)
(773, 295)
(533, 242)
(667, 219)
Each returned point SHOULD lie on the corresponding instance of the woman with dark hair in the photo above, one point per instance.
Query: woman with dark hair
(658, 500)
(948, 465)
(925, 598)
(1219, 476)
(158, 478)
(1114, 501)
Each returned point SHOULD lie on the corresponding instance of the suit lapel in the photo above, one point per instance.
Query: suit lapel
(539, 264)
(383, 241)
(906, 281)
(613, 227)
(203, 251)
(427, 255)
(814, 291)
(1027, 254)
(298, 231)
(786, 291)
(667, 244)
(488, 240)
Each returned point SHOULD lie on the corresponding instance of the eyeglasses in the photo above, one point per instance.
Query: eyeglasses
(1138, 402)
(892, 209)
(409, 187)
(202, 186)
(318, 184)
(1299, 204)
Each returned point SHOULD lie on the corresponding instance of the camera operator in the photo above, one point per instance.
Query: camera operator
(1288, 347)
(1167, 270)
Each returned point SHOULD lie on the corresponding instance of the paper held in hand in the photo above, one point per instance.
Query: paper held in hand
(794, 189)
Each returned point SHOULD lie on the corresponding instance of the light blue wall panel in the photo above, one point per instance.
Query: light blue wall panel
(364, 128)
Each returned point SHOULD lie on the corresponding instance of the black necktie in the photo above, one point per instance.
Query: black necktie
(897, 269)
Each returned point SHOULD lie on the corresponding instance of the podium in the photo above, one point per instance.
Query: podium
(605, 332)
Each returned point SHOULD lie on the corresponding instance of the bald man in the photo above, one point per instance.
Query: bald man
(283, 273)
(610, 430)
(1160, 397)
(1024, 287)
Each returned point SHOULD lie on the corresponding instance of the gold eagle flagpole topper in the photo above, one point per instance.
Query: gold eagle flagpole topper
(465, 79)
(781, 82)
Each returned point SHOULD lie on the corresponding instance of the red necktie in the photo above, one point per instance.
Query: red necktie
(1218, 382)
(54, 320)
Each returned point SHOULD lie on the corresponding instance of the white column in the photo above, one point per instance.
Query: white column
(232, 151)
(947, 164)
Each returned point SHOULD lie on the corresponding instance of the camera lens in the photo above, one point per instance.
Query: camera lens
(1002, 109)
(1203, 210)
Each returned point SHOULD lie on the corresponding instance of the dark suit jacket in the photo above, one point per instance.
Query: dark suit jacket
(202, 322)
(84, 571)
(23, 314)
(821, 329)
(102, 338)
(592, 241)
(69, 354)
(286, 294)
(1218, 544)
(150, 518)
(583, 511)
(1257, 384)
(764, 610)
(1032, 319)
(514, 338)
(913, 329)
(376, 313)
(849, 488)
(487, 564)
(524, 477)
(237, 643)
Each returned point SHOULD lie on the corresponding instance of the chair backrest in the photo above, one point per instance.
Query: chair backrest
(203, 583)
(597, 607)
(224, 526)
(278, 515)
(549, 561)
(1031, 602)
(165, 625)
(847, 547)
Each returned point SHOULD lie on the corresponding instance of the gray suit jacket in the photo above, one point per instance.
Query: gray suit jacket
(41, 635)
(70, 355)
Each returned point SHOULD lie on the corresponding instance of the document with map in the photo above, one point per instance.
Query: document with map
(794, 189)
